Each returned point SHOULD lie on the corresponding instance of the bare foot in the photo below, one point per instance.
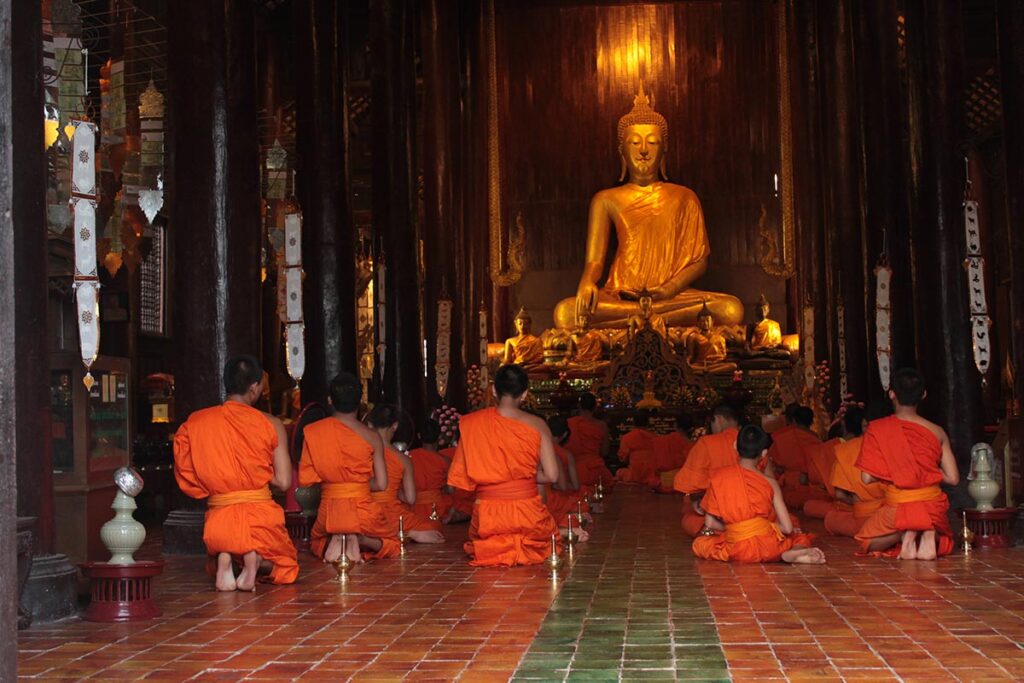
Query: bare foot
(225, 573)
(804, 556)
(427, 536)
(333, 551)
(352, 550)
(250, 566)
(582, 535)
(908, 550)
(926, 549)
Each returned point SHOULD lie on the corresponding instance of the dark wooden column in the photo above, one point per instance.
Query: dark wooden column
(8, 371)
(328, 249)
(842, 178)
(1011, 68)
(50, 592)
(886, 220)
(214, 208)
(393, 87)
(442, 209)
(935, 59)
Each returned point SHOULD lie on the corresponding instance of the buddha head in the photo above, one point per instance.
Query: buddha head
(523, 322)
(582, 321)
(643, 139)
(763, 308)
(646, 305)
(705, 321)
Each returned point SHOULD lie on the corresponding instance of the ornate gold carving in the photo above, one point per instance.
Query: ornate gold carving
(151, 102)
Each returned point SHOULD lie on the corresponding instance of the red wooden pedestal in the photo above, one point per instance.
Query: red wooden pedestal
(121, 592)
(991, 527)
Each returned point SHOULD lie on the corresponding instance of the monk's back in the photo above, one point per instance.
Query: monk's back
(585, 436)
(232, 447)
(498, 449)
(709, 453)
(430, 469)
(336, 452)
(736, 494)
(393, 463)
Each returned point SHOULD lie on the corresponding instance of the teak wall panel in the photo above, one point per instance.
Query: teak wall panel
(566, 75)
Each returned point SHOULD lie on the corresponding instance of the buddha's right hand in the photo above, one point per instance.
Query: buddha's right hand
(586, 299)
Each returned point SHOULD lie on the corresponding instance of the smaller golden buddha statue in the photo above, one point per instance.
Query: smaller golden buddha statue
(706, 347)
(764, 337)
(650, 400)
(646, 316)
(524, 349)
(585, 345)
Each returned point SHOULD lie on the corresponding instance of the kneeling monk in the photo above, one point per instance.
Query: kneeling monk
(348, 457)
(430, 473)
(856, 501)
(708, 454)
(497, 457)
(740, 500)
(911, 456)
(228, 454)
(565, 497)
(636, 451)
(589, 443)
(401, 489)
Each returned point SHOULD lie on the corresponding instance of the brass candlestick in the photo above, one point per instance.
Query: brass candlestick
(401, 535)
(599, 493)
(570, 537)
(579, 513)
(433, 513)
(554, 561)
(967, 535)
(342, 565)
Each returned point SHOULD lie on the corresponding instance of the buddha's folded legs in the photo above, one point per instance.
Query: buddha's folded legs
(679, 311)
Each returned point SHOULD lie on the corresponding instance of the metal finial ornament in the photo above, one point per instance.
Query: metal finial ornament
(342, 565)
(599, 492)
(579, 513)
(570, 537)
(433, 513)
(401, 534)
(554, 561)
(967, 535)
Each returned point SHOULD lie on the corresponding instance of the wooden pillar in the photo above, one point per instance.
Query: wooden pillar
(328, 241)
(214, 209)
(393, 87)
(442, 210)
(842, 166)
(1011, 76)
(935, 59)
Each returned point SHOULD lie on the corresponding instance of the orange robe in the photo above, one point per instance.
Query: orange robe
(226, 455)
(430, 471)
(791, 448)
(906, 457)
(709, 453)
(393, 507)
(820, 460)
(846, 520)
(586, 436)
(742, 499)
(497, 458)
(462, 500)
(636, 450)
(561, 503)
(340, 459)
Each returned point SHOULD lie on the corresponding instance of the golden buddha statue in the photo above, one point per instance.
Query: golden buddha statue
(646, 316)
(662, 242)
(706, 347)
(523, 349)
(585, 345)
(764, 338)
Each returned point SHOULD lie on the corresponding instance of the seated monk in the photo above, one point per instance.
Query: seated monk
(742, 502)
(348, 458)
(564, 496)
(229, 454)
(400, 494)
(670, 451)
(789, 455)
(637, 445)
(820, 462)
(589, 443)
(709, 453)
(430, 473)
(855, 500)
(462, 500)
(498, 457)
(911, 457)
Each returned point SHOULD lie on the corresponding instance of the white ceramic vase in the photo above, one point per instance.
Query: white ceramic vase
(123, 535)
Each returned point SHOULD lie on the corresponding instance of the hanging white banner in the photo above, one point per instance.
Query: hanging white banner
(293, 294)
(83, 163)
(88, 308)
(883, 323)
(980, 325)
(85, 236)
(293, 239)
(296, 350)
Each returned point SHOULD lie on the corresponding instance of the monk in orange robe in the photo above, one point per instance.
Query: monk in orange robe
(911, 457)
(670, 452)
(498, 457)
(637, 446)
(708, 454)
(462, 500)
(789, 455)
(230, 454)
(589, 442)
(855, 500)
(820, 461)
(395, 500)
(430, 474)
(740, 504)
(565, 496)
(348, 458)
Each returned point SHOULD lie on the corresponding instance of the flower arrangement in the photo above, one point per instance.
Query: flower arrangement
(737, 376)
(448, 417)
(620, 397)
(474, 390)
(698, 397)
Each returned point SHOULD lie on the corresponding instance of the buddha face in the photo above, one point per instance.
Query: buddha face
(642, 150)
(645, 306)
(522, 326)
(582, 322)
(704, 324)
(763, 310)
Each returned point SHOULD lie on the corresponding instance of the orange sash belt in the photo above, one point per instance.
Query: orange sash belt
(517, 489)
(345, 489)
(865, 508)
(897, 496)
(235, 497)
(429, 496)
(750, 528)
(383, 496)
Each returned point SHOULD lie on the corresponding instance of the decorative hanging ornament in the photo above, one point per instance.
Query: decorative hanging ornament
(442, 365)
(86, 279)
(807, 346)
(883, 320)
(294, 321)
(841, 334)
(382, 344)
(482, 331)
(974, 264)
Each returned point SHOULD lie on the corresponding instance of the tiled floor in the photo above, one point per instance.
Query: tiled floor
(632, 604)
